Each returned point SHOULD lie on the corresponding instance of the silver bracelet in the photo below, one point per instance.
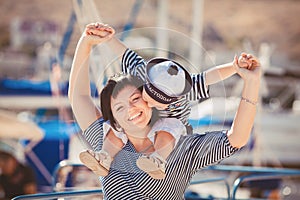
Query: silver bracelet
(249, 101)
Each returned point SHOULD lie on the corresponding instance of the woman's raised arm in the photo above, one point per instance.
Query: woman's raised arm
(243, 122)
(84, 109)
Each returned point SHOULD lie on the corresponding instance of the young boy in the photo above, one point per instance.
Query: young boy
(169, 88)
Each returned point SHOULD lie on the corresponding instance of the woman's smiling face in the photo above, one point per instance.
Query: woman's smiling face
(130, 110)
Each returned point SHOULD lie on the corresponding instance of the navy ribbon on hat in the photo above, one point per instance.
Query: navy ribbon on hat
(157, 94)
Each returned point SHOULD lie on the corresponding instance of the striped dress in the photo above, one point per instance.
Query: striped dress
(126, 181)
(135, 65)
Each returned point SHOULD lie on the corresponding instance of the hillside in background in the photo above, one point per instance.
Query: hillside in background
(226, 23)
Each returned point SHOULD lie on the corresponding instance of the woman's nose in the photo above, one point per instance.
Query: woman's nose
(131, 105)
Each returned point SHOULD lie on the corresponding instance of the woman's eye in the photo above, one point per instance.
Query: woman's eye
(119, 108)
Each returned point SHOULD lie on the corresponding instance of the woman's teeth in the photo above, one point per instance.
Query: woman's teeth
(135, 116)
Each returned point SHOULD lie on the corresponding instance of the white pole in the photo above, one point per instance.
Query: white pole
(162, 37)
(196, 33)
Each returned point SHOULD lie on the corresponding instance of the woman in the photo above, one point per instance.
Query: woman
(168, 87)
(125, 180)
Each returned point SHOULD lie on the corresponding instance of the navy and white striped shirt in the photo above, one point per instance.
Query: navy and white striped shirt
(135, 65)
(126, 181)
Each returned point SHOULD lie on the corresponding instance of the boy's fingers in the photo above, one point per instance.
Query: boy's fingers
(236, 59)
(236, 62)
(255, 62)
(98, 24)
(250, 66)
(249, 56)
(90, 25)
(244, 54)
(107, 28)
(100, 30)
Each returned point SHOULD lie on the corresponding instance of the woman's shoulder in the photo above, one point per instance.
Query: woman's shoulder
(204, 136)
(96, 125)
(210, 139)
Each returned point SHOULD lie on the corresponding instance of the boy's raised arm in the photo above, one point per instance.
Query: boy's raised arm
(224, 71)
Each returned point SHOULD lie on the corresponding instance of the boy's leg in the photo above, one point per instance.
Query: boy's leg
(164, 144)
(154, 164)
(112, 144)
(99, 162)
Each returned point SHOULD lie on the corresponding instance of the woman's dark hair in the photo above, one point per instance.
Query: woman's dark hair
(114, 85)
(5, 155)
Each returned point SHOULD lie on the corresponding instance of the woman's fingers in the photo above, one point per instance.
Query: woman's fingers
(99, 26)
(101, 31)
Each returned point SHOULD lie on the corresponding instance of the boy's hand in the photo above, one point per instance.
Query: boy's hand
(248, 73)
(248, 61)
(96, 33)
(100, 29)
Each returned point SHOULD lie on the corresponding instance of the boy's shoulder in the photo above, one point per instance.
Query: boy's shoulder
(177, 104)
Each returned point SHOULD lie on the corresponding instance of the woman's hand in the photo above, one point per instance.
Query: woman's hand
(250, 72)
(97, 33)
(83, 106)
(248, 61)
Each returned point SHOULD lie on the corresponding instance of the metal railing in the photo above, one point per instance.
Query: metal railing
(256, 173)
(66, 194)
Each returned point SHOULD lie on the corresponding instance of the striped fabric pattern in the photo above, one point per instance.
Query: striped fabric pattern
(135, 65)
(193, 152)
